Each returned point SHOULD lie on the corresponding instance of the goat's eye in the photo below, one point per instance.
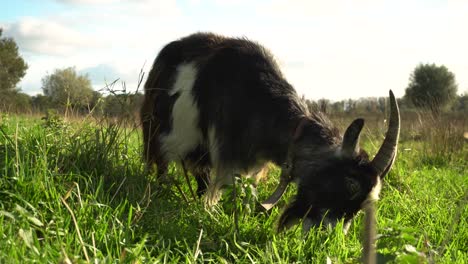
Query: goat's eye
(353, 187)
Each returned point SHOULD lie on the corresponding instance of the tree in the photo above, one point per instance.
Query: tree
(66, 88)
(324, 105)
(12, 65)
(338, 107)
(432, 87)
(350, 105)
(462, 103)
(122, 105)
(41, 103)
(22, 102)
(14, 101)
(381, 104)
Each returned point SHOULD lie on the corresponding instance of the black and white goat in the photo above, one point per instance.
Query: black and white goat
(222, 106)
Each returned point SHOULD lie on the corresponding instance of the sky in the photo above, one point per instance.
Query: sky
(334, 49)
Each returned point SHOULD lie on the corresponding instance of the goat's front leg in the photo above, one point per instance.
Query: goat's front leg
(220, 178)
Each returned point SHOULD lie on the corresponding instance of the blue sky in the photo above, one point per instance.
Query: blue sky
(333, 49)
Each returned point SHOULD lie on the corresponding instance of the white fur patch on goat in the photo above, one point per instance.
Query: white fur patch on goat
(374, 193)
(213, 145)
(221, 174)
(185, 135)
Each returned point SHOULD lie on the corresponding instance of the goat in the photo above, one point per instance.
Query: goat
(222, 106)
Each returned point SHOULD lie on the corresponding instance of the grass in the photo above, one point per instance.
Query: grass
(74, 192)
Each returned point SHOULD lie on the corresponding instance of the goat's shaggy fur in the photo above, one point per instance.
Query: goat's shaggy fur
(223, 107)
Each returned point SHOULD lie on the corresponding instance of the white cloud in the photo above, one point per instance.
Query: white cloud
(156, 8)
(90, 2)
(45, 37)
(333, 49)
(129, 8)
(341, 49)
(124, 37)
(299, 8)
(306, 9)
(101, 73)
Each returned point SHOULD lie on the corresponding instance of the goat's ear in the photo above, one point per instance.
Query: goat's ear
(350, 144)
(290, 217)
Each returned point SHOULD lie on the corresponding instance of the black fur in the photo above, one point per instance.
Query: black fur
(255, 114)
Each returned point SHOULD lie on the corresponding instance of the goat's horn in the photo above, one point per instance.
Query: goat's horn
(278, 193)
(351, 137)
(383, 161)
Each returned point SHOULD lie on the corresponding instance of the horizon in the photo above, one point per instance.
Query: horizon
(334, 50)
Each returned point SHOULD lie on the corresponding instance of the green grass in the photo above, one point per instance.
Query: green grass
(78, 191)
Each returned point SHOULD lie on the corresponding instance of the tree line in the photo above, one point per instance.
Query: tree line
(66, 91)
(431, 87)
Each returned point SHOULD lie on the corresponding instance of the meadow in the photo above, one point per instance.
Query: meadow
(76, 191)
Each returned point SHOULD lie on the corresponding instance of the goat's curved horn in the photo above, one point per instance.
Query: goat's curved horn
(351, 137)
(383, 161)
(278, 193)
